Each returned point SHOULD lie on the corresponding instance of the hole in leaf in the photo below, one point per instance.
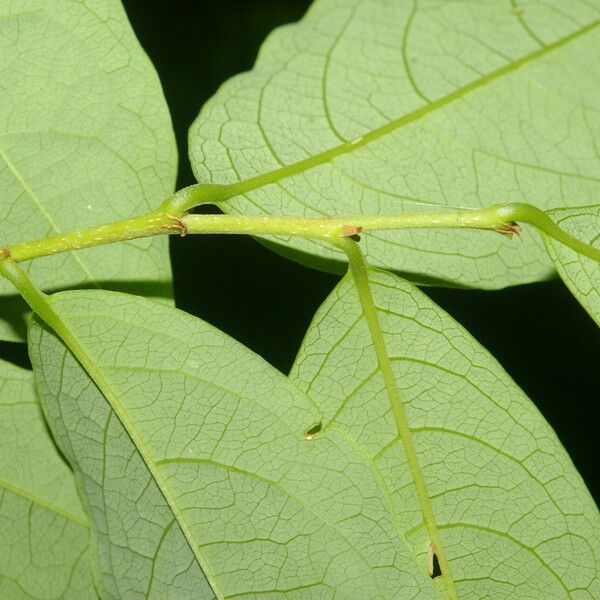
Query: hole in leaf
(434, 563)
(311, 433)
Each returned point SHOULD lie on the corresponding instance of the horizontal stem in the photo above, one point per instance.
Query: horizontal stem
(336, 227)
(128, 229)
(499, 218)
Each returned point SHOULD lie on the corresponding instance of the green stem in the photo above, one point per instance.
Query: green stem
(358, 269)
(499, 218)
(150, 224)
(527, 213)
(344, 226)
(40, 303)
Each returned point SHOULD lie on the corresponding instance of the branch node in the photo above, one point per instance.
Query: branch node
(351, 231)
(177, 224)
(509, 229)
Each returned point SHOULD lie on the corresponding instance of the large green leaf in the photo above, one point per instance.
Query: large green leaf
(581, 274)
(198, 456)
(382, 106)
(44, 533)
(85, 138)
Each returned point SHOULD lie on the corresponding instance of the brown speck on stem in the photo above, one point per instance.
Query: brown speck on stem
(177, 224)
(518, 10)
(510, 229)
(351, 231)
(4, 253)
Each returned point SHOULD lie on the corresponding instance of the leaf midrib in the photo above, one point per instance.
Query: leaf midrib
(39, 205)
(106, 389)
(359, 272)
(252, 183)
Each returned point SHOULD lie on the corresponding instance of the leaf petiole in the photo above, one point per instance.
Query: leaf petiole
(358, 268)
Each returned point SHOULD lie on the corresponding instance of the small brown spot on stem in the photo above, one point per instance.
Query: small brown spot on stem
(509, 229)
(5, 253)
(351, 231)
(177, 224)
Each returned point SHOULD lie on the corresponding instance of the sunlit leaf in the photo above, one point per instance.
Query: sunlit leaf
(85, 138)
(382, 106)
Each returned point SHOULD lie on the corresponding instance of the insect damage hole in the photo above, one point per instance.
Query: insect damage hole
(434, 563)
(312, 432)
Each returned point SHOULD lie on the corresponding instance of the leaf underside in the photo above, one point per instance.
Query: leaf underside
(581, 274)
(209, 473)
(85, 139)
(380, 106)
(43, 529)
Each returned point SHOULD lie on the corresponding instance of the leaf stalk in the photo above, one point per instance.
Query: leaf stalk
(358, 268)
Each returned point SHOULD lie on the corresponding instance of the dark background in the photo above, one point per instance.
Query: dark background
(539, 333)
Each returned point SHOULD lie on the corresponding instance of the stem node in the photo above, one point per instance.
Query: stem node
(178, 224)
(509, 229)
(351, 231)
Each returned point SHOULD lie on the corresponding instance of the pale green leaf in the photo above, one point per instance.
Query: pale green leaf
(383, 106)
(85, 138)
(581, 274)
(298, 487)
(515, 517)
(44, 534)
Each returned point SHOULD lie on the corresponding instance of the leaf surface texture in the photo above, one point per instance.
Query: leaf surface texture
(85, 139)
(44, 534)
(581, 274)
(208, 469)
(380, 106)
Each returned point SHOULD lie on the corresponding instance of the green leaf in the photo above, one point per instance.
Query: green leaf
(514, 515)
(581, 274)
(379, 107)
(43, 529)
(85, 138)
(299, 487)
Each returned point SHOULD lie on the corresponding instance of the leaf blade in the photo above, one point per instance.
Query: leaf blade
(85, 138)
(580, 274)
(308, 551)
(267, 135)
(275, 502)
(45, 533)
(488, 458)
